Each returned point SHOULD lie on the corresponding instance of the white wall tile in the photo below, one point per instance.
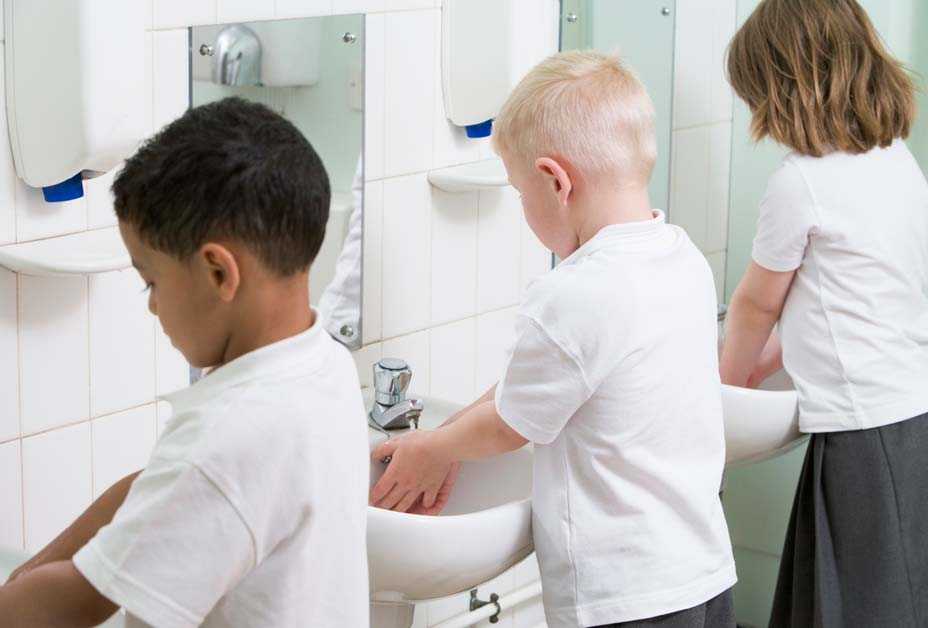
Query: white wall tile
(172, 370)
(122, 343)
(692, 64)
(53, 351)
(536, 259)
(122, 444)
(294, 8)
(375, 96)
(177, 13)
(406, 255)
(170, 75)
(498, 249)
(364, 359)
(100, 211)
(37, 219)
(701, 91)
(248, 10)
(717, 263)
(494, 338)
(372, 297)
(149, 82)
(719, 185)
(9, 358)
(690, 182)
(453, 361)
(402, 5)
(414, 349)
(56, 482)
(11, 496)
(410, 69)
(7, 176)
(454, 256)
(345, 7)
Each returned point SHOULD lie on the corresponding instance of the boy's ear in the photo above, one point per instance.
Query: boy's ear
(222, 270)
(557, 178)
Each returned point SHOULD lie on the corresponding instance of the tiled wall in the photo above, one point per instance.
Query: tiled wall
(81, 361)
(702, 127)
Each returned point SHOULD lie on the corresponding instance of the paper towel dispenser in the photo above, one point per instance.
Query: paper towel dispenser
(476, 65)
(75, 91)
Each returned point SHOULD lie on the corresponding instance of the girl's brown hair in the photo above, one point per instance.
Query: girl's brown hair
(818, 78)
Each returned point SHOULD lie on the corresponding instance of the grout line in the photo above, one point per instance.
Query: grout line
(19, 403)
(81, 421)
(701, 125)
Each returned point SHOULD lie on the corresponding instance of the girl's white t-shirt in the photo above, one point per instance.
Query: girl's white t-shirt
(614, 376)
(854, 327)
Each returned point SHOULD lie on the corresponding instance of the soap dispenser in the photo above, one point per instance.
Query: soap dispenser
(75, 89)
(476, 62)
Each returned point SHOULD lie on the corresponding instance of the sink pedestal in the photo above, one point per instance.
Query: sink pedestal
(391, 614)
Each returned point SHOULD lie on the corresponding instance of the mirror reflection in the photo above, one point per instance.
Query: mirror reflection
(311, 72)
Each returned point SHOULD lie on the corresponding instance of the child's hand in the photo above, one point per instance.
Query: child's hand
(769, 362)
(417, 470)
(444, 494)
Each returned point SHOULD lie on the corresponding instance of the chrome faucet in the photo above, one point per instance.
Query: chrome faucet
(237, 59)
(391, 409)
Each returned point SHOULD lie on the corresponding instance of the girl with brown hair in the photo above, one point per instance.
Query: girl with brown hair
(840, 262)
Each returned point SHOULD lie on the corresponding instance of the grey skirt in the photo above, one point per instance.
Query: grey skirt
(856, 552)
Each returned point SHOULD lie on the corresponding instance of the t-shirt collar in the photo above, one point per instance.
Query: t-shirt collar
(629, 233)
(296, 352)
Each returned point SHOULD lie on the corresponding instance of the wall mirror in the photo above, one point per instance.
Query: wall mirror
(311, 71)
(642, 31)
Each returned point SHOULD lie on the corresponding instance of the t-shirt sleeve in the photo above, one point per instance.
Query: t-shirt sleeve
(542, 386)
(174, 548)
(787, 218)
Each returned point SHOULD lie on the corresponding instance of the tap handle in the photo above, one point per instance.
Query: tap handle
(391, 379)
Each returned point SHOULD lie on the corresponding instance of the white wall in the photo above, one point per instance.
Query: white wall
(81, 360)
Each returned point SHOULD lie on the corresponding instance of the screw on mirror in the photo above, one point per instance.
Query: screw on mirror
(347, 331)
(206, 50)
(349, 38)
(665, 11)
(572, 18)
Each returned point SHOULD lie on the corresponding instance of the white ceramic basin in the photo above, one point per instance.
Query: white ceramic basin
(761, 424)
(484, 530)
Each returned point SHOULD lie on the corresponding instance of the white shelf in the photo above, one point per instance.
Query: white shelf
(87, 253)
(480, 175)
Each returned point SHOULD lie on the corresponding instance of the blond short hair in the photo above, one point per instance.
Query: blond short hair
(818, 78)
(588, 108)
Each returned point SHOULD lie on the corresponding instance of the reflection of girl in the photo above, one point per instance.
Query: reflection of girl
(841, 261)
(340, 304)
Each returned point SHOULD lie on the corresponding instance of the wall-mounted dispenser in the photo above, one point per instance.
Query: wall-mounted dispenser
(476, 61)
(75, 91)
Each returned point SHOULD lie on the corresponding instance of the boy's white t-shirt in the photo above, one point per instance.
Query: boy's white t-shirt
(614, 376)
(252, 511)
(854, 327)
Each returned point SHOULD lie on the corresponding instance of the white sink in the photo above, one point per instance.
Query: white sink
(484, 530)
(761, 424)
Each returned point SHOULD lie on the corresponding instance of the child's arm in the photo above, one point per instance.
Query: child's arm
(421, 461)
(754, 310)
(84, 528)
(54, 594)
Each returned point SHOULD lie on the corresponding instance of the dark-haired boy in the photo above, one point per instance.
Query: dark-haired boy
(252, 509)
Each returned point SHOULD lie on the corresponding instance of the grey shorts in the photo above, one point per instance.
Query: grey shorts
(716, 613)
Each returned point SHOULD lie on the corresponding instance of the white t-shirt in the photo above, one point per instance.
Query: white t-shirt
(854, 327)
(614, 376)
(252, 511)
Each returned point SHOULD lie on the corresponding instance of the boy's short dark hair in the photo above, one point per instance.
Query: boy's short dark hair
(228, 169)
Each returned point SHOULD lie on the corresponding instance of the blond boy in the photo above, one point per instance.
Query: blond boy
(613, 374)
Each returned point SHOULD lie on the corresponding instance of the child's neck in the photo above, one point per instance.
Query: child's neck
(610, 207)
(272, 313)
